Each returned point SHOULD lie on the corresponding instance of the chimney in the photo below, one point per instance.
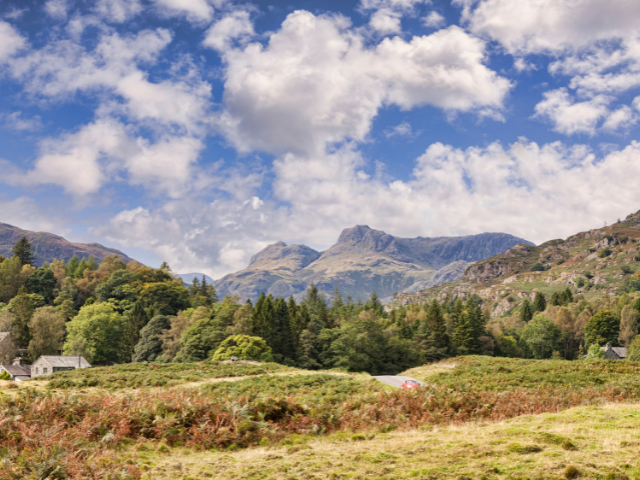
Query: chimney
(18, 361)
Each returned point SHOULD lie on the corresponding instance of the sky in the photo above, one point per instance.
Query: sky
(197, 132)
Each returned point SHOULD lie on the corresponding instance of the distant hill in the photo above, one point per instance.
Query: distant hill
(361, 261)
(47, 246)
(595, 263)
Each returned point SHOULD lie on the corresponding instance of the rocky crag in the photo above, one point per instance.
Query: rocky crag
(363, 260)
(47, 246)
(598, 262)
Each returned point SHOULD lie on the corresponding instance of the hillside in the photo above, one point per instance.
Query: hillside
(47, 246)
(599, 262)
(477, 417)
(363, 260)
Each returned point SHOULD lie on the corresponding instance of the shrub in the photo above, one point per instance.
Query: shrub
(626, 269)
(580, 282)
(605, 252)
(594, 353)
(571, 472)
(243, 347)
(538, 267)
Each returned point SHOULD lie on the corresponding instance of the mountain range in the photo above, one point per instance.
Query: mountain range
(597, 263)
(47, 246)
(363, 260)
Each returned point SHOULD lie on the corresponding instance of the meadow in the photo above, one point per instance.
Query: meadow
(477, 417)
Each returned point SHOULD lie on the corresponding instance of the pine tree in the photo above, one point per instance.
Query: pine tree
(22, 250)
(264, 319)
(463, 336)
(208, 292)
(284, 335)
(526, 311)
(72, 266)
(165, 266)
(435, 322)
(133, 322)
(539, 303)
(92, 263)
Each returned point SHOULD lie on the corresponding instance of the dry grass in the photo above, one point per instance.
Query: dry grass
(598, 442)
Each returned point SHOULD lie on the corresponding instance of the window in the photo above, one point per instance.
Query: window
(44, 370)
(36, 370)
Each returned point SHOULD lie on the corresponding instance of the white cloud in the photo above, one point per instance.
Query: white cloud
(386, 21)
(15, 121)
(569, 117)
(10, 41)
(434, 20)
(194, 10)
(118, 11)
(316, 83)
(540, 26)
(396, 5)
(621, 118)
(26, 213)
(401, 130)
(57, 9)
(235, 25)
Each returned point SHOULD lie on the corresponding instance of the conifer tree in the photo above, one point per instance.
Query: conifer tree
(284, 344)
(92, 263)
(22, 250)
(539, 303)
(133, 321)
(72, 266)
(526, 311)
(463, 336)
(435, 322)
(22, 309)
(264, 319)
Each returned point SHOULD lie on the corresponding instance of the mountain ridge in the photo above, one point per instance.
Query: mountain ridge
(362, 260)
(49, 246)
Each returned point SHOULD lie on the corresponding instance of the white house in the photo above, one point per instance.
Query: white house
(48, 364)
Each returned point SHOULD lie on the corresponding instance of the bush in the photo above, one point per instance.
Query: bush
(605, 252)
(538, 267)
(595, 353)
(626, 269)
(243, 347)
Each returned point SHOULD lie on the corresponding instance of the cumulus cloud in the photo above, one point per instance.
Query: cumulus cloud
(194, 10)
(401, 130)
(117, 11)
(386, 21)
(10, 41)
(434, 20)
(622, 118)
(234, 25)
(26, 213)
(57, 9)
(316, 83)
(16, 121)
(571, 117)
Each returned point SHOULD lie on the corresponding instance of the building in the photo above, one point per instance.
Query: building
(17, 371)
(614, 353)
(48, 364)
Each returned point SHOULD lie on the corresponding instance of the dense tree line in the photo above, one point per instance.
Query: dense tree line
(112, 312)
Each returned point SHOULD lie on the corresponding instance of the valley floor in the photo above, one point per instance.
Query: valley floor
(583, 442)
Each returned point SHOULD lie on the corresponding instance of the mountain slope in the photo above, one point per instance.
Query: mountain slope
(361, 261)
(47, 246)
(599, 262)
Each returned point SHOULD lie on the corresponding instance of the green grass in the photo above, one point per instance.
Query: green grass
(313, 390)
(492, 374)
(136, 375)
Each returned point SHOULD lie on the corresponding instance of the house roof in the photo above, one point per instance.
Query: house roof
(22, 370)
(65, 361)
(620, 351)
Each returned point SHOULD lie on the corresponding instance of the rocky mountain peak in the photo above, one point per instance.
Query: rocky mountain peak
(299, 255)
(365, 236)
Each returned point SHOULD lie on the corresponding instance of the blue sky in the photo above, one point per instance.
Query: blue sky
(200, 131)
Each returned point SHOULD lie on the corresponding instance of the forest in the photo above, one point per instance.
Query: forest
(114, 313)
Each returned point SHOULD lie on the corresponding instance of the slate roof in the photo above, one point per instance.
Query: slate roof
(65, 361)
(620, 351)
(21, 370)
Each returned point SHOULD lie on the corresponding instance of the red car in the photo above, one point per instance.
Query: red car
(408, 384)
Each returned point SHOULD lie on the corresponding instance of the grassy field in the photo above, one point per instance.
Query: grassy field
(478, 417)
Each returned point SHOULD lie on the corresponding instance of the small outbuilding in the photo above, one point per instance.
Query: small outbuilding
(17, 371)
(614, 353)
(48, 364)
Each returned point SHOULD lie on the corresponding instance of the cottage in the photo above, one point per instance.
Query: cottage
(18, 372)
(48, 364)
(614, 353)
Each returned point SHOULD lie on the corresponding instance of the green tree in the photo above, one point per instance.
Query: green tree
(98, 329)
(22, 308)
(42, 282)
(595, 353)
(542, 337)
(436, 324)
(149, 348)
(539, 303)
(47, 332)
(165, 298)
(72, 266)
(200, 340)
(133, 321)
(526, 311)
(464, 338)
(633, 350)
(602, 328)
(22, 250)
(264, 324)
(243, 347)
